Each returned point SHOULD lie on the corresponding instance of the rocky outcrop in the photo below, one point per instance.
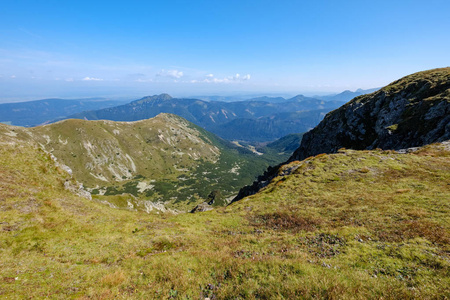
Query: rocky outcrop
(202, 207)
(410, 112)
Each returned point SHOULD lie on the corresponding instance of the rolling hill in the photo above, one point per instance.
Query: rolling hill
(412, 111)
(164, 161)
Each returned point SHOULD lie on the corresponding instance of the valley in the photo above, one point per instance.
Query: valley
(360, 210)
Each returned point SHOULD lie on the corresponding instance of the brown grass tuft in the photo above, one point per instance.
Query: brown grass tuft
(410, 229)
(286, 221)
(113, 279)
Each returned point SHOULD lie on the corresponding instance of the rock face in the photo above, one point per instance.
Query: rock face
(409, 112)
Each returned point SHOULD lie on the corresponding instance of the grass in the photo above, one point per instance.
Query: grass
(115, 158)
(352, 225)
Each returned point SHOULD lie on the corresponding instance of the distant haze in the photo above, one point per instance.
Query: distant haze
(80, 49)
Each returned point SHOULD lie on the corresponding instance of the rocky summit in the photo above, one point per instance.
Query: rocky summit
(409, 112)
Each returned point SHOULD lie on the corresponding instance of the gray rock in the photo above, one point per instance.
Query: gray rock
(202, 207)
(411, 112)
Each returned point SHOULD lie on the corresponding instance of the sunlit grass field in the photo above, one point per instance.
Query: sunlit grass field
(352, 225)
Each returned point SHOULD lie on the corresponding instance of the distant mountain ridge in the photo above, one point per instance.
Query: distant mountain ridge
(346, 95)
(33, 113)
(222, 118)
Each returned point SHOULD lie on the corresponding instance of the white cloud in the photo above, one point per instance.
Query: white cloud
(13, 76)
(229, 79)
(91, 79)
(69, 79)
(238, 77)
(175, 74)
(144, 80)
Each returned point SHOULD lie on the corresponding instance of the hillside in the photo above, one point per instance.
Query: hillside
(150, 163)
(225, 118)
(410, 112)
(287, 144)
(34, 113)
(352, 225)
(269, 128)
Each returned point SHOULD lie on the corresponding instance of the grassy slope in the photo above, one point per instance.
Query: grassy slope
(179, 162)
(348, 225)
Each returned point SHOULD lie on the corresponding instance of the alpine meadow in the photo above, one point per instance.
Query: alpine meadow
(224, 150)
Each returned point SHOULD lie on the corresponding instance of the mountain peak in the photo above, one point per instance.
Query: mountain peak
(297, 98)
(160, 97)
(410, 112)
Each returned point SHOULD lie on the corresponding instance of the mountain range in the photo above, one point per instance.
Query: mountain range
(34, 113)
(264, 119)
(267, 121)
(346, 95)
(368, 221)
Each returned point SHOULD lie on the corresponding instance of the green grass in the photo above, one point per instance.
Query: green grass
(352, 225)
(114, 158)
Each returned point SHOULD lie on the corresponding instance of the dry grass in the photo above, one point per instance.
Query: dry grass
(286, 221)
(327, 231)
(113, 279)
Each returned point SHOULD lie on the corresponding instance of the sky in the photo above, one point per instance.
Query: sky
(135, 48)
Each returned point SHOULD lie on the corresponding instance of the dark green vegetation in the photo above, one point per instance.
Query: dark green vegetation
(412, 111)
(271, 127)
(251, 121)
(286, 144)
(144, 164)
(33, 113)
(352, 225)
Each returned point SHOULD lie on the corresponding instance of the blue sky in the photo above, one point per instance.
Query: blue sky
(105, 48)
